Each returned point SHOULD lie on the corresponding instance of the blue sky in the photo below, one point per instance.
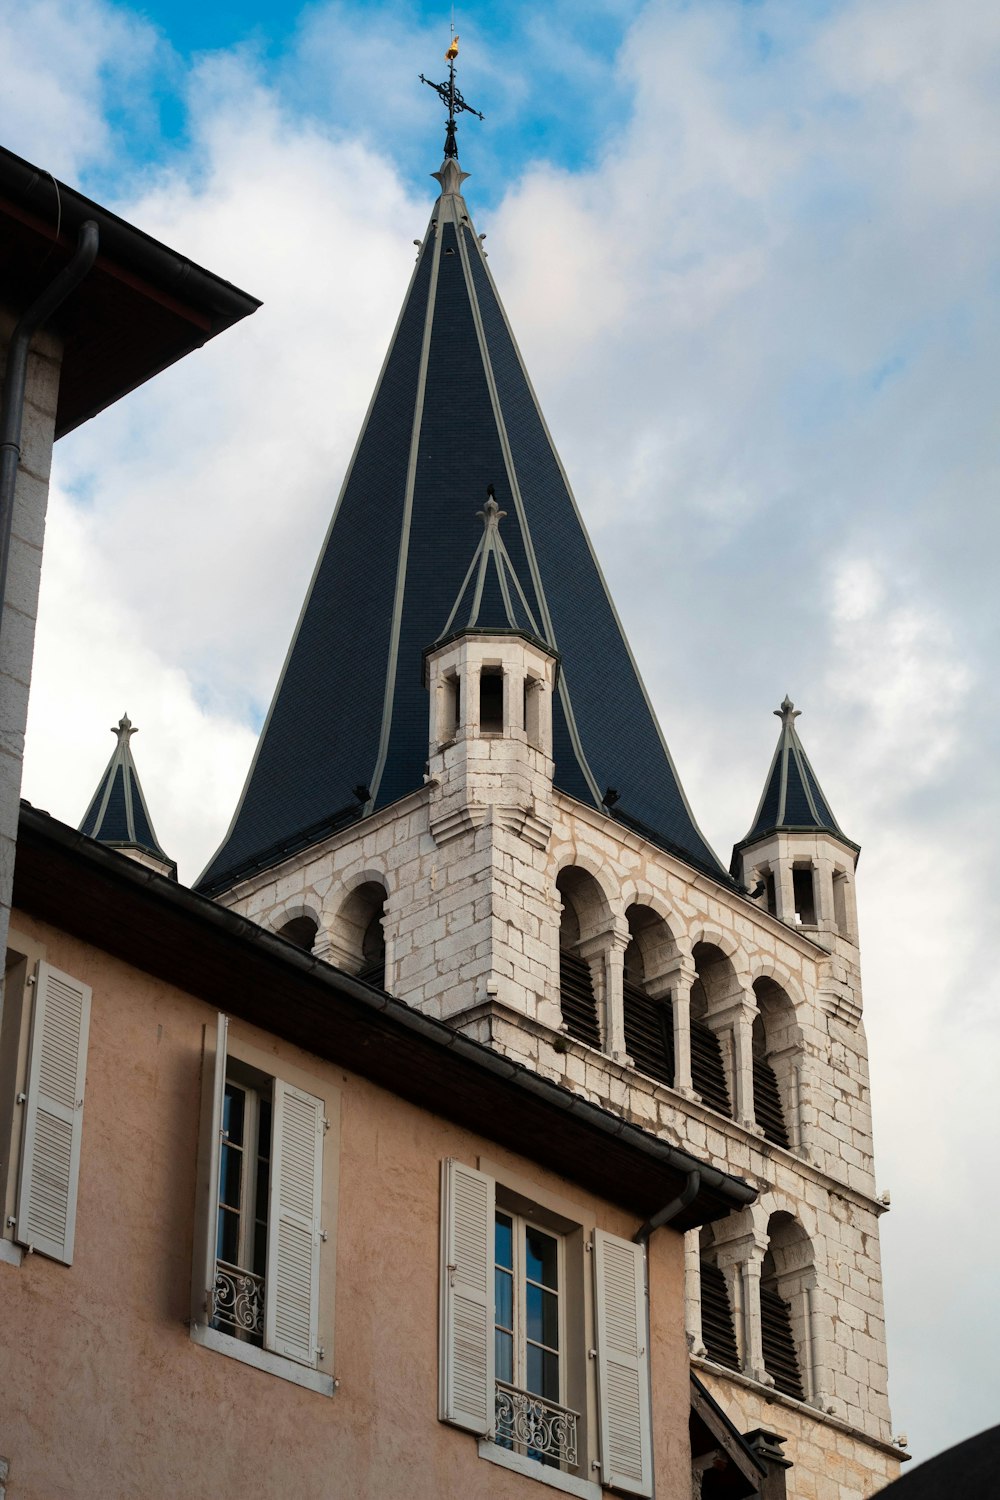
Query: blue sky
(751, 255)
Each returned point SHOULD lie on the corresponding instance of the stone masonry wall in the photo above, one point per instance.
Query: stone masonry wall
(471, 921)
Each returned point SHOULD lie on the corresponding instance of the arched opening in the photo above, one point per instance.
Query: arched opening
(775, 1054)
(718, 1328)
(584, 915)
(648, 1020)
(714, 985)
(358, 935)
(301, 931)
(786, 1275)
(491, 700)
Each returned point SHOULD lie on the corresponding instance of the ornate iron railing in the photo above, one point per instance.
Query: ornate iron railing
(543, 1429)
(238, 1300)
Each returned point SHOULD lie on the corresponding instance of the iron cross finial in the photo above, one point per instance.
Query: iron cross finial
(451, 97)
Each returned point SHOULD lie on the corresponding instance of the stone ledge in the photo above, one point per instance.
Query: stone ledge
(778, 1398)
(565, 1045)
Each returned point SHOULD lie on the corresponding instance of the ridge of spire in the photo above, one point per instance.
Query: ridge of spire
(117, 814)
(491, 597)
(792, 798)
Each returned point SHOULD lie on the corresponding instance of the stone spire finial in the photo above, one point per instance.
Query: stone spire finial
(491, 515)
(787, 713)
(124, 729)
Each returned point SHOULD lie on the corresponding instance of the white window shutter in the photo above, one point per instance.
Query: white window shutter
(213, 1090)
(467, 1365)
(291, 1295)
(623, 1364)
(53, 1119)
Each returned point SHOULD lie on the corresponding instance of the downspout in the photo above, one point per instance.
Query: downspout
(15, 375)
(684, 1199)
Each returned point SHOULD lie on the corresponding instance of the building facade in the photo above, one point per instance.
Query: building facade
(462, 794)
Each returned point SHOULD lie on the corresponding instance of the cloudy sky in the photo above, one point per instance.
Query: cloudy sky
(752, 254)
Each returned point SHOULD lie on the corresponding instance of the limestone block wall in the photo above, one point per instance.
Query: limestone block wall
(17, 638)
(472, 918)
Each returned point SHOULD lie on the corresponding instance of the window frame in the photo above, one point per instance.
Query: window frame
(521, 1225)
(237, 1047)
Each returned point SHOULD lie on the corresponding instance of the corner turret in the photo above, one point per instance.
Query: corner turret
(118, 815)
(796, 859)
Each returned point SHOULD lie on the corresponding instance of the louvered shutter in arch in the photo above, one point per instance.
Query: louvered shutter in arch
(53, 1119)
(213, 1089)
(291, 1290)
(649, 1033)
(717, 1330)
(576, 999)
(623, 1364)
(467, 1365)
(708, 1071)
(767, 1103)
(781, 1360)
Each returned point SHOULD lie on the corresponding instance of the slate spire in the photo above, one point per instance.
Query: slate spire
(792, 799)
(453, 412)
(117, 814)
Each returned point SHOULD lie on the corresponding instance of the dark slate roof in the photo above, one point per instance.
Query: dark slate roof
(117, 814)
(792, 797)
(453, 412)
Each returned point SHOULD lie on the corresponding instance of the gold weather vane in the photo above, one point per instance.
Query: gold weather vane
(451, 97)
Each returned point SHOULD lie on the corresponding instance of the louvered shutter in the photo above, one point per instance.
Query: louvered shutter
(213, 1088)
(623, 1364)
(468, 1370)
(291, 1293)
(53, 1119)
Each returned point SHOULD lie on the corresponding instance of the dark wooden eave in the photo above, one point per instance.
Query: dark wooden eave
(140, 308)
(105, 899)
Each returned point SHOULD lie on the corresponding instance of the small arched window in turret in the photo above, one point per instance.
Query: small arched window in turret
(841, 909)
(491, 700)
(804, 894)
(533, 712)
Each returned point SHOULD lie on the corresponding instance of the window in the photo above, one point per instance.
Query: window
(804, 895)
(263, 1232)
(491, 700)
(41, 1105)
(527, 1337)
(514, 1301)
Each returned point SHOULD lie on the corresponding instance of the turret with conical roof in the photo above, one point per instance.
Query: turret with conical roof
(118, 815)
(796, 857)
(453, 412)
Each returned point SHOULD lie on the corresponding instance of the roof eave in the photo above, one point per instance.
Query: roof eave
(165, 929)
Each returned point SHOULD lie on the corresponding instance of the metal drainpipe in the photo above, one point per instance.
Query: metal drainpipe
(670, 1211)
(15, 375)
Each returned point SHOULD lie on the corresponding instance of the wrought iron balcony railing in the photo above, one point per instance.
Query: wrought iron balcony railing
(238, 1300)
(534, 1425)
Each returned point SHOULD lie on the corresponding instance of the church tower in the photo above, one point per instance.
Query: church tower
(462, 794)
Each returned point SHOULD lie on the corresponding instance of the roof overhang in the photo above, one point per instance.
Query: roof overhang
(141, 308)
(167, 930)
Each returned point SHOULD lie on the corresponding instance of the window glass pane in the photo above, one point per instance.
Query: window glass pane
(543, 1373)
(228, 1241)
(504, 1241)
(505, 1356)
(504, 1294)
(541, 1259)
(259, 1248)
(232, 1113)
(264, 1128)
(230, 1176)
(543, 1316)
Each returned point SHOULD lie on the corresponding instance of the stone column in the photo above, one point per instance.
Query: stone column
(736, 1019)
(605, 952)
(692, 1292)
(753, 1345)
(676, 981)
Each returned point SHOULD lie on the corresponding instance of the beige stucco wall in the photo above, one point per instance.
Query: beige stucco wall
(102, 1391)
